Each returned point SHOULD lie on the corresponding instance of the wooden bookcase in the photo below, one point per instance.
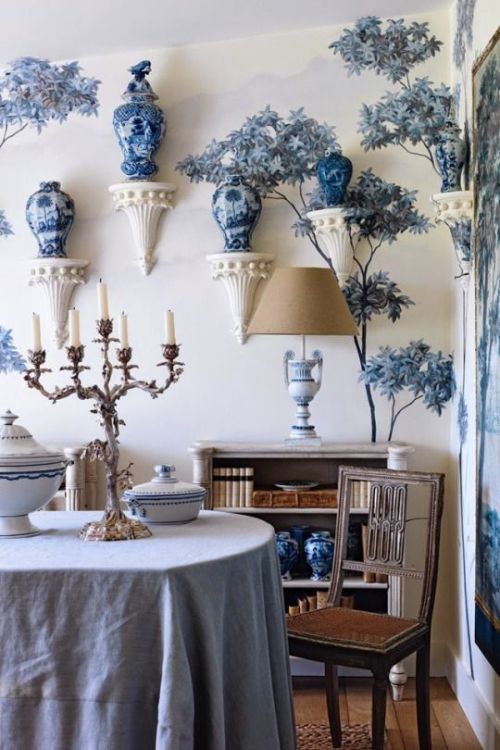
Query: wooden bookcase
(276, 462)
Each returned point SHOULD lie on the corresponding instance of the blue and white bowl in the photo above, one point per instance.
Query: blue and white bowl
(165, 499)
(30, 475)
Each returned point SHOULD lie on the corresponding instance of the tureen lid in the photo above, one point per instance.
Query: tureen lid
(17, 443)
(163, 486)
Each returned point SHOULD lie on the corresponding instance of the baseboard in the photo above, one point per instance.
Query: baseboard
(480, 714)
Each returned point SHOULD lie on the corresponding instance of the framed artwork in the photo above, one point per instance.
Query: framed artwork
(486, 151)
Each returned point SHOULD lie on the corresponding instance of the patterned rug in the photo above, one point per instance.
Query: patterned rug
(317, 737)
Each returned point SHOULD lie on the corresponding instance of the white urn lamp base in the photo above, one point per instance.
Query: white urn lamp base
(14, 526)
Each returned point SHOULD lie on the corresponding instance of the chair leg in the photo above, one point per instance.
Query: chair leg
(379, 699)
(332, 701)
(423, 698)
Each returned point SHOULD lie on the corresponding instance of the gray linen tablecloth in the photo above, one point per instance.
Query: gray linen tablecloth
(175, 642)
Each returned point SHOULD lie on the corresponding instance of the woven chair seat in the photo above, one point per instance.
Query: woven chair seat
(345, 627)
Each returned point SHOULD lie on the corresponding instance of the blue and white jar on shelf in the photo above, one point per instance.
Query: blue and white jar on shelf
(236, 208)
(50, 213)
(139, 125)
(334, 173)
(450, 154)
(319, 549)
(288, 552)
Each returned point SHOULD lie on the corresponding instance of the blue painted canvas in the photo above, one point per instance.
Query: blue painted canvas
(486, 92)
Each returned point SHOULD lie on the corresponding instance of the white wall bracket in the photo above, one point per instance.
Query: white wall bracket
(456, 209)
(143, 203)
(59, 277)
(332, 232)
(241, 274)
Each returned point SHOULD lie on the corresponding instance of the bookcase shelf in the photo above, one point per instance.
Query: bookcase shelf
(276, 463)
(281, 511)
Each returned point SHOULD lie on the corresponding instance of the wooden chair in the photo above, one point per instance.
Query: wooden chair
(355, 638)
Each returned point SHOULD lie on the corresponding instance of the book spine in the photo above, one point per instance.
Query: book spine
(216, 488)
(223, 487)
(249, 475)
(241, 487)
(235, 490)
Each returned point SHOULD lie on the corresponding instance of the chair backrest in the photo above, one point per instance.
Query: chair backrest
(387, 529)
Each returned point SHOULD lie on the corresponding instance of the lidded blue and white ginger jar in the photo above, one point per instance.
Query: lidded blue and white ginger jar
(50, 213)
(450, 152)
(139, 125)
(288, 552)
(334, 172)
(236, 208)
(319, 548)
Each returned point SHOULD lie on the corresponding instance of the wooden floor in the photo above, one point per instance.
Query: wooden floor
(450, 728)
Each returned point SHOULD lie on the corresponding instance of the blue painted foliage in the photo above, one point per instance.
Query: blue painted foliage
(35, 92)
(10, 359)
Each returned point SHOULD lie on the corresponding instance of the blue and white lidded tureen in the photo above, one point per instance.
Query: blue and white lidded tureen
(165, 499)
(29, 477)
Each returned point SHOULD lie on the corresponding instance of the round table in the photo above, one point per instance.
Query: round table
(176, 642)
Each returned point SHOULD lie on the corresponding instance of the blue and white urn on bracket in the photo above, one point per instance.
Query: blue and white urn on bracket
(288, 552)
(139, 125)
(450, 154)
(50, 213)
(334, 173)
(319, 549)
(236, 208)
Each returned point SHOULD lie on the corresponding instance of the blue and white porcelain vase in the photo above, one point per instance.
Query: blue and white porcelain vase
(319, 555)
(236, 208)
(450, 154)
(288, 551)
(139, 125)
(334, 172)
(50, 213)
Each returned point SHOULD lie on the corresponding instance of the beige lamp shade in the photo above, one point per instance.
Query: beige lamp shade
(304, 301)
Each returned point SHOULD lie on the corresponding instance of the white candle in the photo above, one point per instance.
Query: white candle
(37, 334)
(102, 297)
(74, 328)
(169, 327)
(123, 332)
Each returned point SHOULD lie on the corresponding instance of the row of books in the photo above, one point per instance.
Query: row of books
(232, 486)
(316, 600)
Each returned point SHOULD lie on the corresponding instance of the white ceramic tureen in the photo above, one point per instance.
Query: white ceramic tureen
(165, 499)
(29, 476)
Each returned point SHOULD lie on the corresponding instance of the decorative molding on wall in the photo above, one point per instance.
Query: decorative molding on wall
(241, 274)
(331, 230)
(59, 277)
(456, 210)
(143, 203)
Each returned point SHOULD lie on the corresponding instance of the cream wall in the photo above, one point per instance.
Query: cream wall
(228, 391)
(475, 682)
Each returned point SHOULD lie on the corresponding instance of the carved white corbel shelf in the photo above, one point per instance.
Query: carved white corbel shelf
(59, 277)
(332, 232)
(143, 203)
(241, 274)
(456, 209)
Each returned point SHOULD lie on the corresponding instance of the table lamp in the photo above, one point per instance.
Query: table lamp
(303, 301)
